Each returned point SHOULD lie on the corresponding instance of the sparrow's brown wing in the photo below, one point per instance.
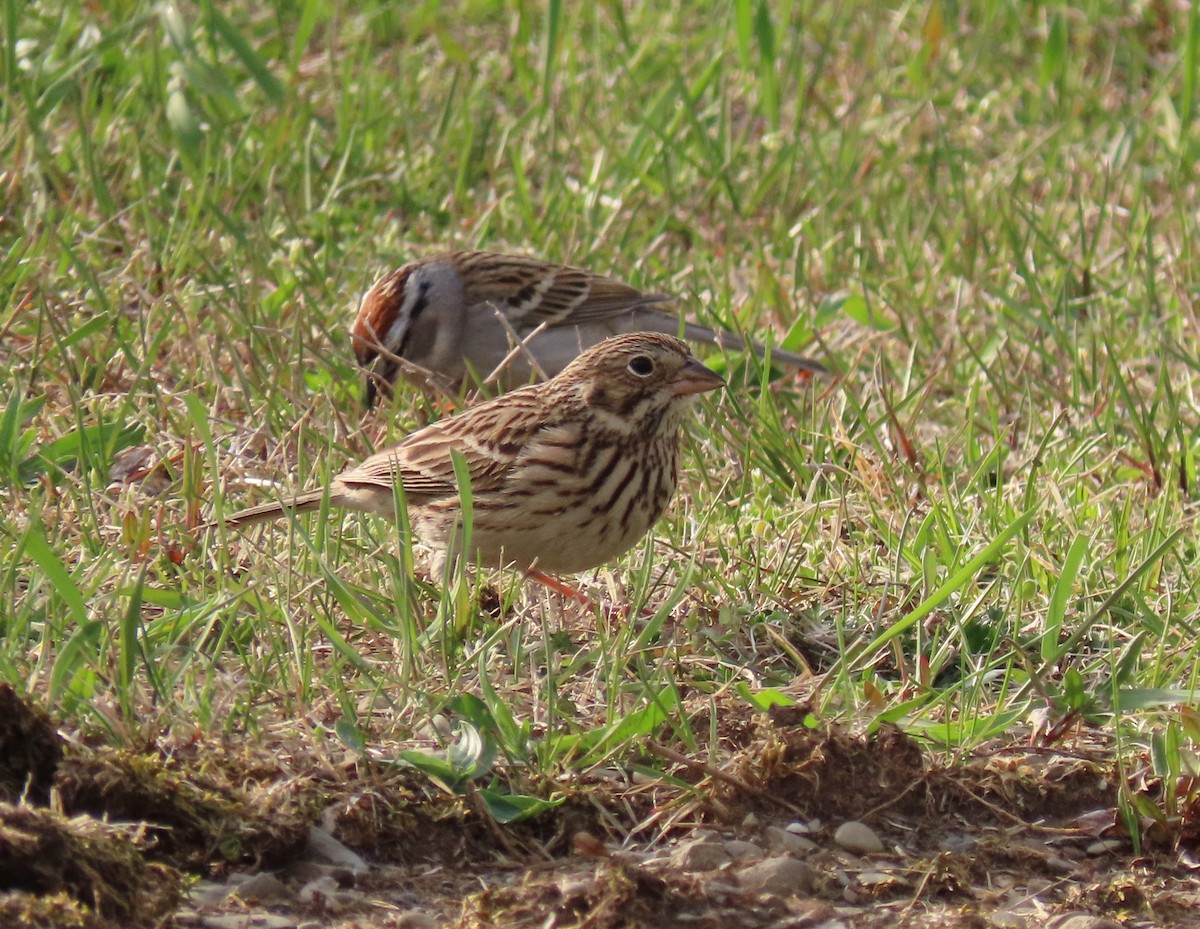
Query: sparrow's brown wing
(490, 437)
(532, 292)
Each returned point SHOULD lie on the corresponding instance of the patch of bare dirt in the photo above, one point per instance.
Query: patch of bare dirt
(31, 748)
(794, 823)
(190, 820)
(79, 871)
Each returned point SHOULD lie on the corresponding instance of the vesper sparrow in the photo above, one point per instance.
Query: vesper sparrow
(564, 475)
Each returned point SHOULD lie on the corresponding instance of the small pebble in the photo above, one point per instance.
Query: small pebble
(857, 837)
(782, 876)
(700, 855)
(790, 842)
(264, 887)
(744, 851)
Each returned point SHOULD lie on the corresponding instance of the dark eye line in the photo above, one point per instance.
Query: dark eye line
(414, 314)
(420, 303)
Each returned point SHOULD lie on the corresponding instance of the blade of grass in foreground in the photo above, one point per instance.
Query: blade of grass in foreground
(72, 669)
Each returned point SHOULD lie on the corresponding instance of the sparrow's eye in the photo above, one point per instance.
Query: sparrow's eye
(641, 366)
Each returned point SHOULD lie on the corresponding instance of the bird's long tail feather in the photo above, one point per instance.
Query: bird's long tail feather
(304, 503)
(727, 340)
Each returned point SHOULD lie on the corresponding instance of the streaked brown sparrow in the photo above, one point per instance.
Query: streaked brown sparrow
(507, 318)
(564, 475)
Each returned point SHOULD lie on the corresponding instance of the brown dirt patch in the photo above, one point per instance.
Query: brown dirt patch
(960, 844)
(30, 748)
(189, 820)
(50, 864)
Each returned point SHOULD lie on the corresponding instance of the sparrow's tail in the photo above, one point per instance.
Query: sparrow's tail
(727, 340)
(304, 503)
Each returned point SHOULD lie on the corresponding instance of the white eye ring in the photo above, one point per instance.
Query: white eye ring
(641, 365)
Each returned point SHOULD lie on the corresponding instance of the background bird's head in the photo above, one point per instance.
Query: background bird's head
(397, 319)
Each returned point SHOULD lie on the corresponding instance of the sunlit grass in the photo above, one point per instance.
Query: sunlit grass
(985, 218)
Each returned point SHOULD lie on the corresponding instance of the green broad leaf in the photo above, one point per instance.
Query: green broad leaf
(859, 310)
(798, 336)
(437, 768)
(968, 731)
(513, 737)
(852, 306)
(167, 599)
(898, 712)
(511, 808)
(1130, 699)
(350, 735)
(637, 725)
(644, 722)
(319, 380)
(472, 709)
(1164, 753)
(764, 698)
(274, 302)
(471, 757)
(1148, 809)
(453, 50)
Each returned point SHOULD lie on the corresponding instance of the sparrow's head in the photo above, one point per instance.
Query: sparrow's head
(644, 379)
(379, 329)
(393, 325)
